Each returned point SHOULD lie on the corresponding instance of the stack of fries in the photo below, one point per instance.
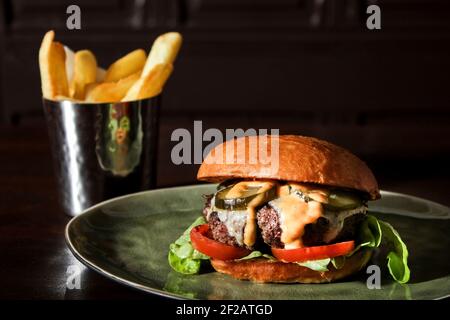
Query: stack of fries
(66, 75)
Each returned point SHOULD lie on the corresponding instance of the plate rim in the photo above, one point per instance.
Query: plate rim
(162, 293)
(108, 274)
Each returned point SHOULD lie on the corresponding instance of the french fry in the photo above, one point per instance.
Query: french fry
(164, 50)
(158, 67)
(84, 72)
(64, 98)
(100, 74)
(70, 58)
(125, 66)
(150, 85)
(52, 65)
(90, 87)
(110, 91)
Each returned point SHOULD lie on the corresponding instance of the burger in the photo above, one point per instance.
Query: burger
(304, 221)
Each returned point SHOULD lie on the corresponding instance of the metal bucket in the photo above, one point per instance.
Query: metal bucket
(102, 150)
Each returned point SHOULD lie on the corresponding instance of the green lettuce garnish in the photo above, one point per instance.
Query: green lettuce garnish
(182, 257)
(371, 234)
(316, 265)
(398, 254)
(257, 254)
(338, 262)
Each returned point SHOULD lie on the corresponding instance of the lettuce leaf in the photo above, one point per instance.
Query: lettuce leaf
(316, 265)
(182, 257)
(398, 256)
(369, 234)
(372, 233)
(184, 266)
(257, 254)
(338, 262)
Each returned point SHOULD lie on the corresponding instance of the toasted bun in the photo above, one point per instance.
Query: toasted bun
(263, 270)
(300, 159)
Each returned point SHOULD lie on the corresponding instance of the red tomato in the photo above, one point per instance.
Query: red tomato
(314, 253)
(212, 248)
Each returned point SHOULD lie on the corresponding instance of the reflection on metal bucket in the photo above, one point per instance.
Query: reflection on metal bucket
(102, 150)
(119, 138)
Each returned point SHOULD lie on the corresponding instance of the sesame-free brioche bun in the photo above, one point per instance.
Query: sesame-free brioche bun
(300, 159)
(263, 270)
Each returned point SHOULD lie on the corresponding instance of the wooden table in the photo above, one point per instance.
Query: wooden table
(34, 257)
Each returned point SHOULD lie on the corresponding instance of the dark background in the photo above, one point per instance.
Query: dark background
(303, 66)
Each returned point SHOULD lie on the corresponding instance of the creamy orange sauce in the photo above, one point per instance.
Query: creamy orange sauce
(295, 214)
(283, 190)
(240, 188)
(238, 191)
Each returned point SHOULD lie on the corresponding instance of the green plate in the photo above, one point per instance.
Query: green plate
(127, 238)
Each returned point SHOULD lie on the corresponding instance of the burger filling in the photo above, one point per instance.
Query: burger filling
(314, 226)
(283, 215)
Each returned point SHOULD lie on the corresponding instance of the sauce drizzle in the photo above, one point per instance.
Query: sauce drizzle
(238, 191)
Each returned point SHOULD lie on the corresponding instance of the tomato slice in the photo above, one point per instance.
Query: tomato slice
(214, 249)
(314, 253)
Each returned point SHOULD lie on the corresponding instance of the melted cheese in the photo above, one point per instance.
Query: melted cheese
(336, 221)
(238, 191)
(235, 222)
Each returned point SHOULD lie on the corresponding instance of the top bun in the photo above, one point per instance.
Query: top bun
(300, 159)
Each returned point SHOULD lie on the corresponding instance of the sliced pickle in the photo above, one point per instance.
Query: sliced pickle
(227, 183)
(222, 202)
(302, 195)
(343, 200)
(337, 199)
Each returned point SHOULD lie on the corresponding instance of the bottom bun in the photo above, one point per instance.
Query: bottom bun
(263, 270)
